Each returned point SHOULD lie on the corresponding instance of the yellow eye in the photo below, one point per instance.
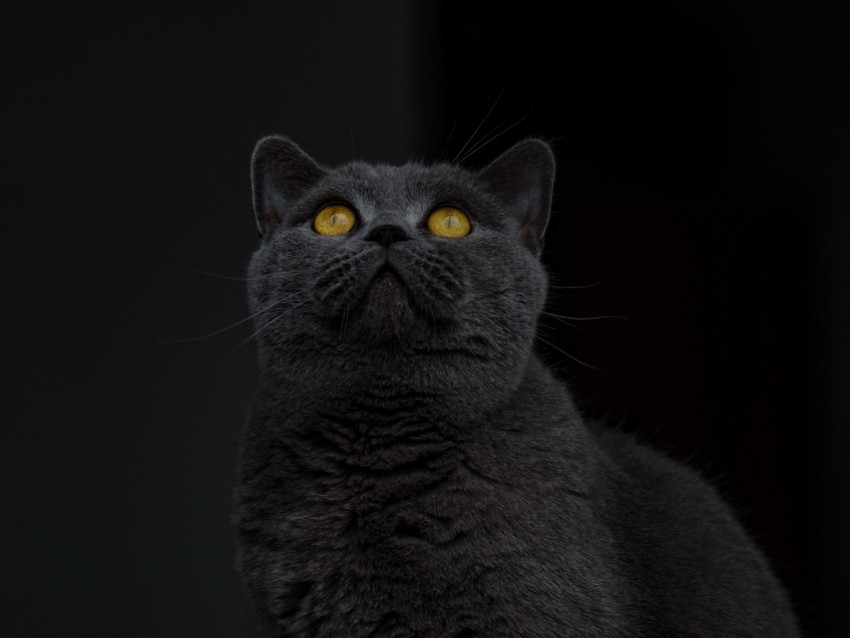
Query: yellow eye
(335, 219)
(449, 222)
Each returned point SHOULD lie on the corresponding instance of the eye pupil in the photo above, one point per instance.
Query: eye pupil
(452, 221)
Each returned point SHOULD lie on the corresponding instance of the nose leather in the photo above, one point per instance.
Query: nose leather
(387, 234)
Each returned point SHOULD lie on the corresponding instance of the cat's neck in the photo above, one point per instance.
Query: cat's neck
(383, 385)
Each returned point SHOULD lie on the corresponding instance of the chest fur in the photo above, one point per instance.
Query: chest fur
(404, 519)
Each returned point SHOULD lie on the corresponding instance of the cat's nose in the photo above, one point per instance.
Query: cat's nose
(387, 234)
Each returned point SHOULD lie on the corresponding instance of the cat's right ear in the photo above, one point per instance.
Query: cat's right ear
(280, 174)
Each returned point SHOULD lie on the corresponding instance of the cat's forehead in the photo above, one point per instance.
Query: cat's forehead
(401, 185)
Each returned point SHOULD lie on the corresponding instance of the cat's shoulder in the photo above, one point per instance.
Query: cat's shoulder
(640, 468)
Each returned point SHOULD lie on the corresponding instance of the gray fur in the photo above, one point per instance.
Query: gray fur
(409, 466)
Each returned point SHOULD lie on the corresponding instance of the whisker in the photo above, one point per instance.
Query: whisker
(269, 323)
(225, 329)
(552, 314)
(442, 154)
(577, 360)
(277, 275)
(477, 128)
(477, 147)
(564, 321)
(484, 137)
(216, 275)
(574, 287)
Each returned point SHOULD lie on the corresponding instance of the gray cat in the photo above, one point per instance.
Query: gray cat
(411, 468)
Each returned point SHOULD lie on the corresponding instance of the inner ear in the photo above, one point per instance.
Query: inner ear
(280, 173)
(522, 178)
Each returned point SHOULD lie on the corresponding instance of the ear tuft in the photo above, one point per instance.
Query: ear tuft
(522, 178)
(280, 173)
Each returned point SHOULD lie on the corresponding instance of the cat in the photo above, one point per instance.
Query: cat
(410, 467)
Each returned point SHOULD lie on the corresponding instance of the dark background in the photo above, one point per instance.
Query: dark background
(704, 188)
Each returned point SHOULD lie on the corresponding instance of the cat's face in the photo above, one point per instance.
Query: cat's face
(434, 261)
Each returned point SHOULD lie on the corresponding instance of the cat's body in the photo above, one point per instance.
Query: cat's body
(410, 468)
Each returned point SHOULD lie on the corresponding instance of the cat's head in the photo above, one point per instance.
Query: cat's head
(431, 261)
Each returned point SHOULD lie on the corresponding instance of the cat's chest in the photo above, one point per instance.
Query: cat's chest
(437, 552)
(405, 479)
(412, 524)
(385, 481)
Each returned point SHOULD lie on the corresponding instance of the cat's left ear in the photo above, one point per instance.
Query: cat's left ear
(280, 173)
(522, 178)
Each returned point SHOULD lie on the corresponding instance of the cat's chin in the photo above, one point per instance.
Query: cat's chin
(386, 312)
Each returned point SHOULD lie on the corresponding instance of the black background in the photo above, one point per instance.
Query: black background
(703, 187)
